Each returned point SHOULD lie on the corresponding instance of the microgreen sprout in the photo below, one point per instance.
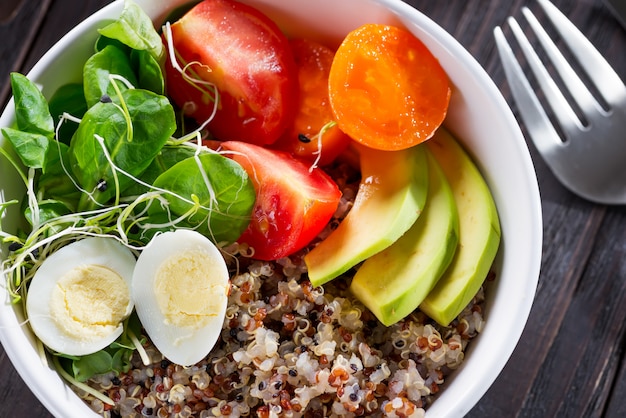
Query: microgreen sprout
(123, 107)
(118, 173)
(145, 358)
(318, 152)
(207, 88)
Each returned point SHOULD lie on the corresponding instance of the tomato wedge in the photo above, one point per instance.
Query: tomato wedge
(292, 204)
(386, 89)
(246, 57)
(309, 136)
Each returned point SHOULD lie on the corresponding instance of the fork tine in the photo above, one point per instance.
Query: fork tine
(562, 110)
(577, 88)
(532, 113)
(597, 68)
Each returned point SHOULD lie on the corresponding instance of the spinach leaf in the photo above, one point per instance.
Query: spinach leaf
(227, 200)
(70, 99)
(48, 210)
(135, 29)
(100, 362)
(166, 158)
(153, 223)
(103, 41)
(97, 363)
(31, 109)
(54, 182)
(111, 60)
(148, 71)
(32, 148)
(132, 137)
(114, 358)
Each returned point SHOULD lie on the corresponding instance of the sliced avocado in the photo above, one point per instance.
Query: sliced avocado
(479, 232)
(395, 281)
(391, 197)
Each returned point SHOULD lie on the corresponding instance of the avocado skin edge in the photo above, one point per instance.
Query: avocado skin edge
(395, 281)
(477, 247)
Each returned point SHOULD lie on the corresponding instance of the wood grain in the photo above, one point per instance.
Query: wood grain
(20, 32)
(571, 359)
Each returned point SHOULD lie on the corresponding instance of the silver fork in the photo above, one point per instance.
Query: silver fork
(591, 159)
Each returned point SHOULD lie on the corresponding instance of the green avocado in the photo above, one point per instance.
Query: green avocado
(479, 232)
(391, 197)
(395, 281)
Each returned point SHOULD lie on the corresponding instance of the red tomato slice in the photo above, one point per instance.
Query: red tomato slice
(292, 205)
(386, 89)
(246, 56)
(301, 138)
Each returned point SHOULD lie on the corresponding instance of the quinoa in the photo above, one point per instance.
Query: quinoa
(288, 349)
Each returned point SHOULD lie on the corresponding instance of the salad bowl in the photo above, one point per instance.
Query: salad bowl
(478, 116)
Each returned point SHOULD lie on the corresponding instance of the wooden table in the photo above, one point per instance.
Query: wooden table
(571, 360)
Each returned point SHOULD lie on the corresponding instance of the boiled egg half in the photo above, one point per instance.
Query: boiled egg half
(81, 294)
(180, 289)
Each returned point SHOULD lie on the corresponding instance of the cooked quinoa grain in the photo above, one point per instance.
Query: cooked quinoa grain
(288, 349)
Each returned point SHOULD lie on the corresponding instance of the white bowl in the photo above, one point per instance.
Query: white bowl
(478, 115)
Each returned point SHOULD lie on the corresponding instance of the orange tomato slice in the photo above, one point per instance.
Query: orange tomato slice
(386, 88)
(308, 136)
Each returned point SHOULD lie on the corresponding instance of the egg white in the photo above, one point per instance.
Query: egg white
(101, 252)
(180, 288)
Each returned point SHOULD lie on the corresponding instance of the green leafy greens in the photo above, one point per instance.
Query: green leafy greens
(128, 136)
(99, 159)
(134, 28)
(222, 189)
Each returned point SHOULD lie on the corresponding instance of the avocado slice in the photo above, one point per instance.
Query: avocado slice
(391, 197)
(479, 232)
(395, 281)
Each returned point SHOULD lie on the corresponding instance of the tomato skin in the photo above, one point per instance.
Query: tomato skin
(313, 62)
(246, 56)
(292, 205)
(386, 89)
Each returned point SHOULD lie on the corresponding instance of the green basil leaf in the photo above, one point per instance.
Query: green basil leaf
(30, 147)
(135, 29)
(98, 68)
(31, 108)
(225, 218)
(153, 123)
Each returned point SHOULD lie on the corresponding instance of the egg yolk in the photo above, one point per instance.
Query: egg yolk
(90, 302)
(185, 292)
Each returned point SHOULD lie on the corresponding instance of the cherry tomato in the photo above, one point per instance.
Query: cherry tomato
(292, 204)
(302, 138)
(247, 58)
(386, 89)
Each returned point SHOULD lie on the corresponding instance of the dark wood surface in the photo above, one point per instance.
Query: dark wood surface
(571, 359)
